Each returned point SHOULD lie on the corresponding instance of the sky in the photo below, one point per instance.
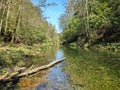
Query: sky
(54, 12)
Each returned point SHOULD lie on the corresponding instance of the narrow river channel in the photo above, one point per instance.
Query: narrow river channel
(83, 70)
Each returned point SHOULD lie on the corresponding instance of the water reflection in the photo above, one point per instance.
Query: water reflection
(57, 78)
(85, 70)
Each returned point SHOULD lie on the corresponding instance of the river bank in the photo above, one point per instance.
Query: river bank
(16, 57)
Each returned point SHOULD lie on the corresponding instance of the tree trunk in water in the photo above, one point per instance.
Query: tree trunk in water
(19, 74)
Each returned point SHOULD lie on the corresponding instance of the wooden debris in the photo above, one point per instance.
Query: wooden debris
(16, 75)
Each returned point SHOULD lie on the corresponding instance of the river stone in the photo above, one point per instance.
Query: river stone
(45, 87)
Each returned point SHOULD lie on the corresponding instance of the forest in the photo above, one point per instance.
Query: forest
(19, 20)
(88, 23)
(33, 55)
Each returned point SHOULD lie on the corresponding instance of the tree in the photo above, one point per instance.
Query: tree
(99, 21)
(20, 20)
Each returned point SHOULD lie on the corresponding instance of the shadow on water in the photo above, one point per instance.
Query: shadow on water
(9, 86)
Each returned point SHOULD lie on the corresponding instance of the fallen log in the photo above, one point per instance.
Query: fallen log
(16, 75)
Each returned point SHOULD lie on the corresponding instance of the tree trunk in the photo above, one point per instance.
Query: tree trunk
(87, 19)
(3, 14)
(1, 4)
(17, 23)
(16, 75)
(7, 17)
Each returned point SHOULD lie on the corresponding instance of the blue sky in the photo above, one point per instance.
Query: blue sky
(54, 12)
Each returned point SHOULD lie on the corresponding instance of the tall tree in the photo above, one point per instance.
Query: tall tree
(98, 22)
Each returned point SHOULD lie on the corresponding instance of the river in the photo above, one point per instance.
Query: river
(82, 70)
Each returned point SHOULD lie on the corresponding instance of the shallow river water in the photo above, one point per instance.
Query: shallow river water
(82, 70)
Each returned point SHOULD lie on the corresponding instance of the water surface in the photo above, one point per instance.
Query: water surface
(82, 70)
(85, 70)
